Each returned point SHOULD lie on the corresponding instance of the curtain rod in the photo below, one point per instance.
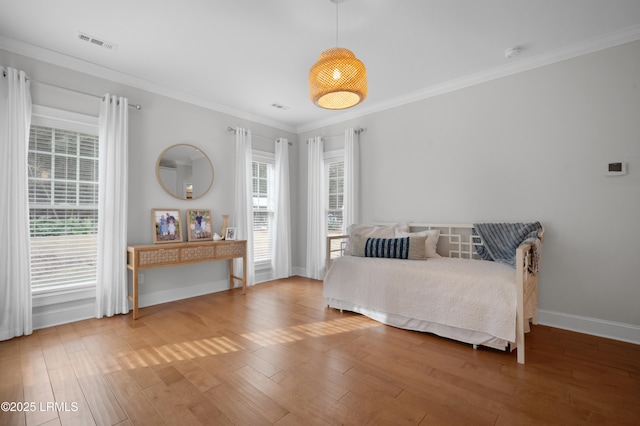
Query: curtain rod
(232, 130)
(136, 106)
(357, 131)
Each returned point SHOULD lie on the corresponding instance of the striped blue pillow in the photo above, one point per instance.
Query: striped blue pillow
(412, 248)
(391, 248)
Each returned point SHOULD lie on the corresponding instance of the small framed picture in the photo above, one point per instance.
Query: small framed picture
(167, 226)
(231, 233)
(199, 225)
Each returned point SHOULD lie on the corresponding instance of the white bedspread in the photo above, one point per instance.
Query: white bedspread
(466, 294)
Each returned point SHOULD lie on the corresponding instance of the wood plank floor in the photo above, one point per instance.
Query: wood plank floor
(278, 356)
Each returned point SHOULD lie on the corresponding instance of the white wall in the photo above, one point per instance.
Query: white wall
(161, 123)
(532, 146)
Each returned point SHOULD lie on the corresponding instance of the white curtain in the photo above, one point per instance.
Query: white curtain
(244, 200)
(281, 255)
(316, 209)
(111, 283)
(15, 276)
(351, 211)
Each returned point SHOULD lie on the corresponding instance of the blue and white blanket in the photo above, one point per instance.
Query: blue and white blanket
(502, 239)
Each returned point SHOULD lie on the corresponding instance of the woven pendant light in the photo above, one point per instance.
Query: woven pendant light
(338, 80)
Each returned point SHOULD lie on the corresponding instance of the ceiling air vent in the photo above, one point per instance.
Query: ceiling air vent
(279, 106)
(96, 41)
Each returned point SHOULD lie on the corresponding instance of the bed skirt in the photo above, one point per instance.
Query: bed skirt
(466, 336)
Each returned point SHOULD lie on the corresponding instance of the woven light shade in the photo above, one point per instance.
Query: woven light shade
(338, 80)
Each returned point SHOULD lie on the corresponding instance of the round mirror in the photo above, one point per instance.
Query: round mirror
(184, 171)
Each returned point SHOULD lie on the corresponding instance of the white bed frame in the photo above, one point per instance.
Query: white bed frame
(456, 240)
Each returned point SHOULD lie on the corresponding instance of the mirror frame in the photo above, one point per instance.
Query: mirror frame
(164, 187)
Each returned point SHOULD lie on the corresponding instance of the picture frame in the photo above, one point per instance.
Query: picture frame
(230, 234)
(199, 225)
(167, 226)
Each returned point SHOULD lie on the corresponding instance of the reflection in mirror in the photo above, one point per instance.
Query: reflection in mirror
(184, 171)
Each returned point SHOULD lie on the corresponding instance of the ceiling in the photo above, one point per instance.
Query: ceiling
(243, 56)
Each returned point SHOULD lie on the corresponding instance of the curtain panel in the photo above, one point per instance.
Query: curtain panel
(281, 257)
(111, 280)
(316, 209)
(351, 211)
(244, 199)
(15, 276)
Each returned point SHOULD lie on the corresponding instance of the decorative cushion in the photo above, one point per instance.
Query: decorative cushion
(412, 248)
(373, 231)
(432, 240)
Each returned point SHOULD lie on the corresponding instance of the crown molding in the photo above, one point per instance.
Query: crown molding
(617, 38)
(595, 44)
(56, 58)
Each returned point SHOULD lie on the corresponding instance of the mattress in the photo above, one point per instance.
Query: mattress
(472, 301)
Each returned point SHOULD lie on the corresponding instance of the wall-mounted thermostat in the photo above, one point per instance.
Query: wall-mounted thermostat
(617, 169)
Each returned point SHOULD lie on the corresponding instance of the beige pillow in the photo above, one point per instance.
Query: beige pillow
(373, 231)
(412, 248)
(431, 243)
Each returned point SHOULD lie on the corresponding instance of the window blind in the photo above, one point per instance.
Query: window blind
(63, 206)
(263, 210)
(335, 195)
(335, 173)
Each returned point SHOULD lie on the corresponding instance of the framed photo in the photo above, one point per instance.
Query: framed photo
(167, 226)
(231, 233)
(199, 226)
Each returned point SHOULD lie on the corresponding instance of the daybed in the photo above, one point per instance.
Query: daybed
(450, 292)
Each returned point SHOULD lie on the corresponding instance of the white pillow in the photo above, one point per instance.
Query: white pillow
(373, 231)
(431, 242)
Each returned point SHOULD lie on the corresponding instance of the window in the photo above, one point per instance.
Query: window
(334, 171)
(263, 206)
(334, 164)
(63, 203)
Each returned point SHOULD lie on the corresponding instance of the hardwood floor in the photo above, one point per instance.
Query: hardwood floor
(278, 356)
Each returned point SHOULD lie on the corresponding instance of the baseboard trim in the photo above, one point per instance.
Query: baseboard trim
(52, 315)
(593, 326)
(296, 270)
(156, 298)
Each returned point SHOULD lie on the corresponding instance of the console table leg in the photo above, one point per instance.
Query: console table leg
(135, 294)
(244, 274)
(231, 283)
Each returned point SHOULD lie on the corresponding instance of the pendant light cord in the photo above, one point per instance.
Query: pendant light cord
(337, 2)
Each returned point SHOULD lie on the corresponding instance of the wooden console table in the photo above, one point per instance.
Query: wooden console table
(160, 255)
